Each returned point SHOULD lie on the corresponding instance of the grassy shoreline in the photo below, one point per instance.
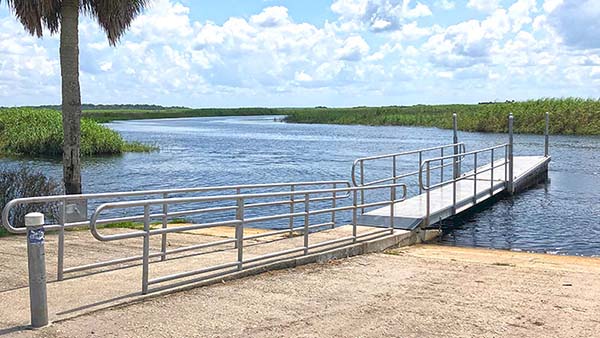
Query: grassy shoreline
(567, 116)
(108, 115)
(39, 132)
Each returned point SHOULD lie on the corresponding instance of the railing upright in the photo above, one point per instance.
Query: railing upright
(456, 170)
(60, 264)
(354, 215)
(333, 205)
(146, 250)
(428, 196)
(475, 178)
(306, 221)
(510, 155)
(492, 175)
(239, 232)
(165, 224)
(292, 189)
(546, 135)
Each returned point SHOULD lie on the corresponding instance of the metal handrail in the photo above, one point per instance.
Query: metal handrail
(62, 225)
(463, 176)
(461, 149)
(426, 167)
(239, 223)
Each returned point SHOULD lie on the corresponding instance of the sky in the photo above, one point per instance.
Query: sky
(284, 53)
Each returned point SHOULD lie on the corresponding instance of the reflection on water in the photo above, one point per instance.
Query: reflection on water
(561, 217)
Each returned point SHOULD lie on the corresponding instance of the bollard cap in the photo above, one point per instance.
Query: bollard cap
(34, 219)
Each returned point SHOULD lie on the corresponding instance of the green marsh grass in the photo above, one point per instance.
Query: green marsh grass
(38, 132)
(567, 116)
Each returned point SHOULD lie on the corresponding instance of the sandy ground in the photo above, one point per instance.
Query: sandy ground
(421, 291)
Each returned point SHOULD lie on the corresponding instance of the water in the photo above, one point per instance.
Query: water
(561, 217)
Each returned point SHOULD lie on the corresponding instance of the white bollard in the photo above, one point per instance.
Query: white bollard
(36, 259)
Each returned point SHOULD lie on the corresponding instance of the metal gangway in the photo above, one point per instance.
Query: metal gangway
(491, 171)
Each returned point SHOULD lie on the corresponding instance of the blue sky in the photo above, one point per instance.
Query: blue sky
(231, 53)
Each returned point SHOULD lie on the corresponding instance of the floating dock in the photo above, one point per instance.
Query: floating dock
(412, 213)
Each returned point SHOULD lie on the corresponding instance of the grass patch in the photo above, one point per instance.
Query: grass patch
(38, 132)
(567, 116)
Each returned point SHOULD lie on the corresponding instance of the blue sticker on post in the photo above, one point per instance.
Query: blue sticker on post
(35, 236)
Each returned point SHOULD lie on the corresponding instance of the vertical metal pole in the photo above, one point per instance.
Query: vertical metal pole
(511, 189)
(238, 192)
(36, 262)
(420, 160)
(306, 221)
(60, 265)
(492, 175)
(454, 178)
(362, 184)
(475, 179)
(392, 199)
(146, 249)
(333, 205)
(239, 232)
(428, 196)
(292, 207)
(442, 164)
(163, 240)
(546, 132)
(394, 169)
(455, 141)
(354, 214)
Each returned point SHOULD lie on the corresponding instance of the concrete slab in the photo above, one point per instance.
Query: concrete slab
(93, 291)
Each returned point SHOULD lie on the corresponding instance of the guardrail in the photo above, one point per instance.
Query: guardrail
(457, 148)
(239, 222)
(426, 167)
(65, 200)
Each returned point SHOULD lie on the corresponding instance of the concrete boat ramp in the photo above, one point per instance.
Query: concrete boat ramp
(105, 264)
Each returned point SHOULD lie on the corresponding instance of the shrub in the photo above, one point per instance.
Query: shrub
(25, 182)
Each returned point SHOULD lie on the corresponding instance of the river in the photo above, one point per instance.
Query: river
(561, 217)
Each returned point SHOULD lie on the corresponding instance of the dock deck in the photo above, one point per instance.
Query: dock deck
(412, 213)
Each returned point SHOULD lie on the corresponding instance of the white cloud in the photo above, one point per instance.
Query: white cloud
(445, 4)
(374, 52)
(484, 5)
(353, 49)
(577, 22)
(377, 15)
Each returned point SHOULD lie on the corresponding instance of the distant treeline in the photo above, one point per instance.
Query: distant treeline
(567, 116)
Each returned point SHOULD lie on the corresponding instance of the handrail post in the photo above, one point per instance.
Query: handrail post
(60, 264)
(454, 188)
(546, 132)
(333, 205)
(456, 172)
(392, 199)
(239, 232)
(163, 240)
(306, 221)
(146, 250)
(362, 184)
(510, 155)
(492, 175)
(36, 262)
(354, 214)
(420, 163)
(428, 196)
(292, 208)
(475, 179)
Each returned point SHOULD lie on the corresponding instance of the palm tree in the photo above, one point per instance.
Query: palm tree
(114, 17)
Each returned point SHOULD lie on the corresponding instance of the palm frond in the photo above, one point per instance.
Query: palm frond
(35, 15)
(114, 16)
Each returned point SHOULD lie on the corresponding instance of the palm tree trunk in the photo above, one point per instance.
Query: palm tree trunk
(71, 95)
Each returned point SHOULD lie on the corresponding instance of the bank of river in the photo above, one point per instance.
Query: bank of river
(561, 217)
